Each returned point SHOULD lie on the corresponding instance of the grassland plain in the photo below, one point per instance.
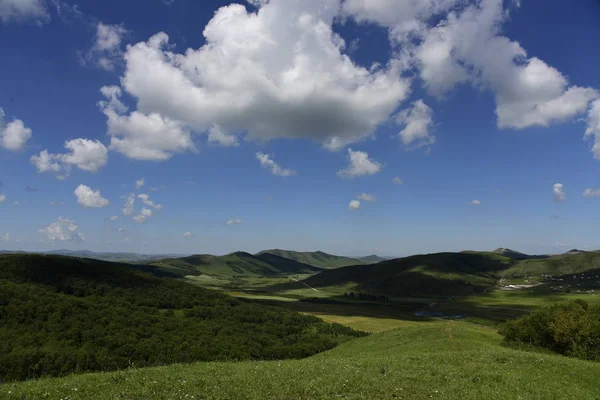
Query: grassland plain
(441, 359)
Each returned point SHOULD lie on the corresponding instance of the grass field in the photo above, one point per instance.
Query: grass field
(441, 359)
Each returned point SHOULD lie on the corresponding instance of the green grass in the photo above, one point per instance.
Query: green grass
(315, 258)
(443, 360)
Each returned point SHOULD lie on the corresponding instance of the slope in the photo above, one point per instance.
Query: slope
(238, 263)
(443, 360)
(314, 258)
(372, 259)
(60, 315)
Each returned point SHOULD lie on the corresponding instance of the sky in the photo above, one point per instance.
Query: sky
(352, 127)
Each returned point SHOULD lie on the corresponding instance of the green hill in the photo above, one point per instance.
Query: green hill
(238, 263)
(60, 315)
(439, 360)
(372, 259)
(314, 258)
(558, 265)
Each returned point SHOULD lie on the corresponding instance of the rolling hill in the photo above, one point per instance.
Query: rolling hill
(372, 259)
(60, 315)
(315, 258)
(451, 274)
(235, 264)
(439, 360)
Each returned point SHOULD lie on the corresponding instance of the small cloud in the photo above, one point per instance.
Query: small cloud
(129, 208)
(359, 165)
(476, 203)
(114, 218)
(188, 234)
(354, 205)
(56, 203)
(88, 198)
(217, 136)
(146, 200)
(2, 198)
(366, 197)
(139, 183)
(106, 51)
(417, 122)
(120, 230)
(234, 221)
(591, 193)
(31, 189)
(16, 203)
(398, 181)
(143, 216)
(267, 162)
(559, 193)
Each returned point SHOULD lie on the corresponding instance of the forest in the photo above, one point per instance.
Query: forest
(60, 315)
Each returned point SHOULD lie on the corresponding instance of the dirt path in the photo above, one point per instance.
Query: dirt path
(305, 284)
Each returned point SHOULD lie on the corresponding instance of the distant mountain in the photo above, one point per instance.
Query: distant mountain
(107, 256)
(237, 263)
(372, 259)
(516, 255)
(315, 258)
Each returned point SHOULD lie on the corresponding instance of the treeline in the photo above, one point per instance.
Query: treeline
(60, 315)
(571, 329)
(367, 297)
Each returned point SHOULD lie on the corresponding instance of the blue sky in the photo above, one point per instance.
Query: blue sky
(255, 126)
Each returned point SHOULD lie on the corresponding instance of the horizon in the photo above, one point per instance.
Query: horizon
(354, 127)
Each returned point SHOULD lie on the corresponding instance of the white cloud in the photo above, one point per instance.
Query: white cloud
(591, 193)
(417, 122)
(559, 193)
(88, 198)
(267, 162)
(129, 208)
(146, 200)
(106, 51)
(56, 203)
(2, 198)
(467, 47)
(354, 205)
(366, 197)
(120, 230)
(139, 183)
(216, 135)
(143, 215)
(23, 10)
(280, 72)
(360, 165)
(63, 230)
(142, 136)
(114, 218)
(188, 234)
(87, 155)
(234, 221)
(5, 237)
(476, 203)
(397, 180)
(13, 136)
(593, 127)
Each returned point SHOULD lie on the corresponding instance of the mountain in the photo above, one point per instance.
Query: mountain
(104, 256)
(60, 315)
(372, 259)
(452, 274)
(315, 258)
(237, 263)
(516, 255)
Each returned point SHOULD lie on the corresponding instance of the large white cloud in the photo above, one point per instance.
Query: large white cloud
(267, 162)
(63, 230)
(87, 155)
(14, 135)
(89, 198)
(23, 10)
(278, 72)
(417, 122)
(106, 51)
(359, 165)
(593, 127)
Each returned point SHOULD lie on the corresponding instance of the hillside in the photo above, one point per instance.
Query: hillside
(314, 258)
(60, 315)
(516, 255)
(440, 360)
(558, 265)
(104, 256)
(238, 263)
(372, 259)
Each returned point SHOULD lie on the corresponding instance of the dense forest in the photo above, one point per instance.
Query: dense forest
(60, 315)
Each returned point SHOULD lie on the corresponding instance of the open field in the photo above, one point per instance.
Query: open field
(443, 360)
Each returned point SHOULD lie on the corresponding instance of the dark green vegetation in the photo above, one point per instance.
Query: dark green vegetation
(60, 315)
(431, 360)
(105, 256)
(235, 264)
(372, 259)
(571, 329)
(315, 258)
